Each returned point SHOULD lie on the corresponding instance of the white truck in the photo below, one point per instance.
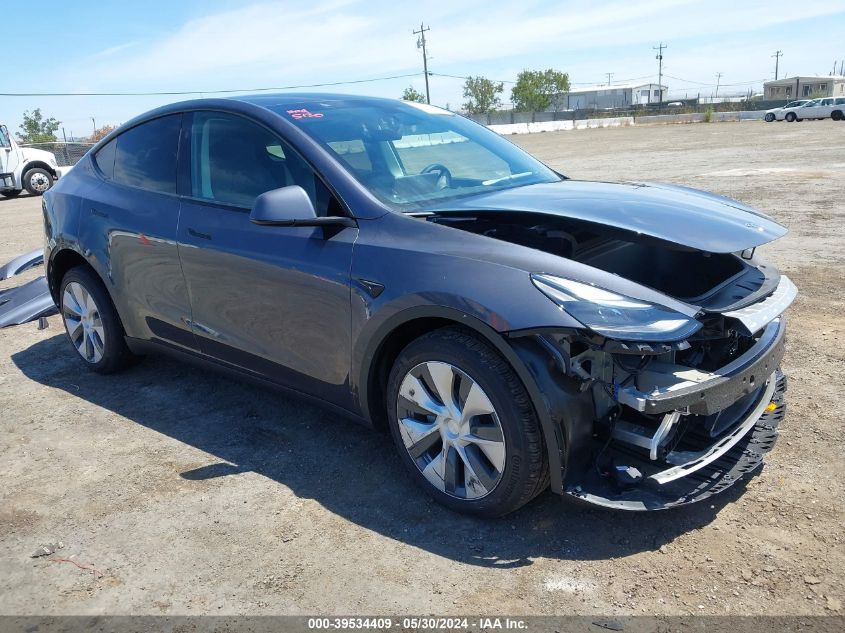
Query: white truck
(25, 168)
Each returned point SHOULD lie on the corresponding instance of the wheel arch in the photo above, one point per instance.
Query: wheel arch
(61, 262)
(34, 164)
(402, 328)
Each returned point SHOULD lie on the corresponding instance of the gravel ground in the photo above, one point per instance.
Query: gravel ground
(183, 492)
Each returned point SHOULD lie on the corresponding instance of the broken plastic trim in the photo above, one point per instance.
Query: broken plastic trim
(760, 314)
(21, 263)
(26, 303)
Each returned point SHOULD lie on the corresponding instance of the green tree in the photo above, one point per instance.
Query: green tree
(412, 94)
(482, 95)
(534, 89)
(36, 129)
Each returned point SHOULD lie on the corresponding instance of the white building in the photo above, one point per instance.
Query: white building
(610, 96)
(805, 86)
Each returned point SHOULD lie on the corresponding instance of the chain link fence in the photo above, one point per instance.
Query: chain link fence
(681, 106)
(66, 153)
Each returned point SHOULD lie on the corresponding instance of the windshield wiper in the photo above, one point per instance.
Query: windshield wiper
(494, 181)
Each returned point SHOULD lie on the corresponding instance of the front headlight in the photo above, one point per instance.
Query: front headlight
(613, 315)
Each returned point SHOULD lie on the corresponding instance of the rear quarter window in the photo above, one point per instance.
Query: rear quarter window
(104, 158)
(146, 154)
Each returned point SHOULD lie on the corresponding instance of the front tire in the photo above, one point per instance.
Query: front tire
(769, 117)
(464, 424)
(91, 321)
(38, 181)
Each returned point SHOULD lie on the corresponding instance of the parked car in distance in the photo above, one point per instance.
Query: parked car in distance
(512, 328)
(25, 168)
(825, 108)
(777, 114)
(829, 107)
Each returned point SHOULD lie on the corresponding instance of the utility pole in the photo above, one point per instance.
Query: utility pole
(421, 44)
(718, 79)
(777, 57)
(659, 58)
(609, 75)
(95, 124)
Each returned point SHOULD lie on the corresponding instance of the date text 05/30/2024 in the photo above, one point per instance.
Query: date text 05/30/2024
(416, 623)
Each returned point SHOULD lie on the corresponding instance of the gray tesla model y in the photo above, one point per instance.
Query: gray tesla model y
(513, 329)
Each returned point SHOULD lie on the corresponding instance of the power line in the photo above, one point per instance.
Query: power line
(197, 92)
(421, 44)
(708, 85)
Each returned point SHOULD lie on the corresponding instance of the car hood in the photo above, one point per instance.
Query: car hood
(670, 213)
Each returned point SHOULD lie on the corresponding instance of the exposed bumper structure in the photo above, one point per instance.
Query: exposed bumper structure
(689, 462)
(705, 467)
(699, 392)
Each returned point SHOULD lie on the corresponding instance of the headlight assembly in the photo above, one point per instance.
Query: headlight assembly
(613, 315)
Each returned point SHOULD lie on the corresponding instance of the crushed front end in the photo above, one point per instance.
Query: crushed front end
(675, 422)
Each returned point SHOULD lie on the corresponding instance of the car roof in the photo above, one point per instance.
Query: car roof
(268, 100)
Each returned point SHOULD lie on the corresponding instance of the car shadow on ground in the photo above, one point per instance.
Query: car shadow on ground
(350, 470)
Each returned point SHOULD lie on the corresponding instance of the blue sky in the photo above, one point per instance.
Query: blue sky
(161, 45)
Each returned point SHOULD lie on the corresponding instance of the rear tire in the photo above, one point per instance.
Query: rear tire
(11, 193)
(91, 321)
(790, 117)
(508, 466)
(836, 115)
(38, 181)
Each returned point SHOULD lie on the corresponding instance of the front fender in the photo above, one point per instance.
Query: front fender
(560, 414)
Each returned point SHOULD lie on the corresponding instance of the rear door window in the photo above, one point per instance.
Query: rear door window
(146, 155)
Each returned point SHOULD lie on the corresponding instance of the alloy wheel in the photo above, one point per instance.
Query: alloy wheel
(83, 322)
(451, 430)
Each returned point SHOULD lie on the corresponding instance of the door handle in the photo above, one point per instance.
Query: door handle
(203, 236)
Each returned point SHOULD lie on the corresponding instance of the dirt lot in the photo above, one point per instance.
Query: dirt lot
(191, 493)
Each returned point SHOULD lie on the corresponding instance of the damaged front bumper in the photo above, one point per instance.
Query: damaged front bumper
(701, 392)
(661, 428)
(698, 467)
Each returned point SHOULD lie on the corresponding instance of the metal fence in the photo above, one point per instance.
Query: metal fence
(687, 106)
(66, 153)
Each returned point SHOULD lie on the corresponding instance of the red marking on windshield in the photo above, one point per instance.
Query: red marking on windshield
(302, 113)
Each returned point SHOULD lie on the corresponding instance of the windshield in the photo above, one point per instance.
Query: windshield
(412, 156)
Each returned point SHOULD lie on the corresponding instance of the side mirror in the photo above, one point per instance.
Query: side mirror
(291, 206)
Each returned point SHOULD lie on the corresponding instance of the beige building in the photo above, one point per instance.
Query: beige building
(804, 87)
